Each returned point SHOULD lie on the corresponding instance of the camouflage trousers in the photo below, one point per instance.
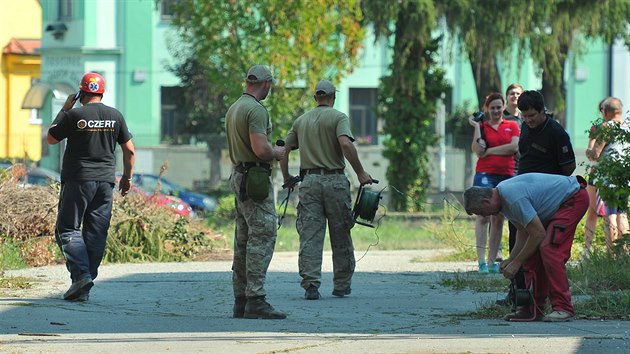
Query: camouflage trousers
(254, 241)
(325, 198)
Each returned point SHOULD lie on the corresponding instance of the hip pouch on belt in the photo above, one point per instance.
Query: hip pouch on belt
(256, 180)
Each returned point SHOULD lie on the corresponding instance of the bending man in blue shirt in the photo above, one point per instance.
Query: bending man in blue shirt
(546, 210)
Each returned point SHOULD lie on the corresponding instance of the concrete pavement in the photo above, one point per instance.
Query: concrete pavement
(396, 306)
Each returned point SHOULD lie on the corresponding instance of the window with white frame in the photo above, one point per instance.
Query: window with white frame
(35, 117)
(363, 103)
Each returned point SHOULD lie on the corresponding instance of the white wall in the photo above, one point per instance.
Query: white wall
(621, 74)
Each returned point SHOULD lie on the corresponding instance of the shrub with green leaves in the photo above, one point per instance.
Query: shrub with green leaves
(612, 172)
(142, 231)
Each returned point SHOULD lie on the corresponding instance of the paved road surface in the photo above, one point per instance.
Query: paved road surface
(396, 306)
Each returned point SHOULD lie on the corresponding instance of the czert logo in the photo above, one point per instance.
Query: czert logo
(96, 124)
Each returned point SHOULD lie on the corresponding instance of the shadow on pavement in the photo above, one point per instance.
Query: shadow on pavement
(202, 302)
(155, 305)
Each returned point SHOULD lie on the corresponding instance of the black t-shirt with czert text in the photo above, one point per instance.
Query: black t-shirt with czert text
(92, 132)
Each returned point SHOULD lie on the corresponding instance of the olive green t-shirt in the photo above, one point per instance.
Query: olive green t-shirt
(244, 117)
(315, 133)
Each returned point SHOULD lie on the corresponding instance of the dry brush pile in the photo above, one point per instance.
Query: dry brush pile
(27, 217)
(139, 231)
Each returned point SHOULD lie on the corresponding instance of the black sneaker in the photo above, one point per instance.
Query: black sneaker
(342, 293)
(78, 288)
(83, 297)
(257, 307)
(311, 293)
(239, 307)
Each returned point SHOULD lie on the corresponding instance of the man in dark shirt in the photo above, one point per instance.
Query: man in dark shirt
(544, 146)
(87, 179)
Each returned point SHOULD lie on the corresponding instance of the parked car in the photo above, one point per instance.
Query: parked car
(200, 203)
(170, 202)
(32, 175)
(41, 176)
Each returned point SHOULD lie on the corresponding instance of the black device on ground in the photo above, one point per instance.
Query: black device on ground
(523, 298)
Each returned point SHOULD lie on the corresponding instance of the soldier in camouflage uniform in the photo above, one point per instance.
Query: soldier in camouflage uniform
(324, 138)
(248, 133)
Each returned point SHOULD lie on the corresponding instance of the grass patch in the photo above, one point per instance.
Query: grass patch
(15, 283)
(454, 232)
(481, 283)
(602, 271)
(10, 257)
(604, 277)
(389, 235)
(605, 305)
(486, 310)
(20, 304)
(602, 282)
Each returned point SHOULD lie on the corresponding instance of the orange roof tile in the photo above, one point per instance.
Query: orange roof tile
(25, 46)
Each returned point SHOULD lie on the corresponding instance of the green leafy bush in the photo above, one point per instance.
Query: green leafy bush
(612, 173)
(142, 232)
(224, 213)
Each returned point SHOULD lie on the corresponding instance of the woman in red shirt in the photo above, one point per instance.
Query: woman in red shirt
(495, 142)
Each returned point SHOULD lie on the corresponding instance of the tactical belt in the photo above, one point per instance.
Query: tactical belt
(320, 171)
(243, 166)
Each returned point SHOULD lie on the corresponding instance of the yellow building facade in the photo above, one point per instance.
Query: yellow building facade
(20, 32)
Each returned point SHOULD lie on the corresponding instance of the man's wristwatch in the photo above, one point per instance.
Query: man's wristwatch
(127, 178)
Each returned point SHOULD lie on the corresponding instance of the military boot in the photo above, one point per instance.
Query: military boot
(239, 306)
(257, 307)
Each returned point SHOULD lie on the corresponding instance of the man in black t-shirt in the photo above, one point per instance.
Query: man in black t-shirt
(545, 146)
(87, 179)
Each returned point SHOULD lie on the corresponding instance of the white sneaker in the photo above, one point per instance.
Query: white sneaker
(558, 316)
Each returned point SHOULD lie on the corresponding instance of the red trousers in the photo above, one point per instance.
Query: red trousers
(547, 267)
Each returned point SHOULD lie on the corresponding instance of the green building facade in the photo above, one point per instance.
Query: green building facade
(127, 42)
